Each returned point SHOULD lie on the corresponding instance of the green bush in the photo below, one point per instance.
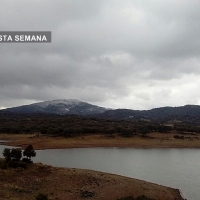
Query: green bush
(29, 152)
(7, 154)
(16, 154)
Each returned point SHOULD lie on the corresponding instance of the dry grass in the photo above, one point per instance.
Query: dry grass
(155, 140)
(70, 184)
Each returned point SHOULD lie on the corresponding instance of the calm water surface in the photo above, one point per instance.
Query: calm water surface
(177, 168)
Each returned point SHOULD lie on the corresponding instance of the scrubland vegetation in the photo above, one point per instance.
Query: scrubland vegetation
(46, 131)
(69, 126)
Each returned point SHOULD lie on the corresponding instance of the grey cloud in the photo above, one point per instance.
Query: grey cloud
(113, 53)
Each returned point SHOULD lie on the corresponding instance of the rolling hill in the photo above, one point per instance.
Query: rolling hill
(186, 114)
(59, 107)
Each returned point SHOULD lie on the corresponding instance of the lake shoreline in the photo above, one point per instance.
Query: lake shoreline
(47, 142)
(44, 179)
(154, 140)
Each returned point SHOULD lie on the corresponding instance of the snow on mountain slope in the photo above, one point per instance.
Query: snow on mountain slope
(61, 107)
(67, 102)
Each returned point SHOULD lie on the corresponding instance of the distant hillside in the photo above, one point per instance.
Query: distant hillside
(60, 107)
(123, 121)
(186, 114)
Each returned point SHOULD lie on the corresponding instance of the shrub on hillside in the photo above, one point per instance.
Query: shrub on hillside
(7, 154)
(29, 152)
(13, 157)
(16, 154)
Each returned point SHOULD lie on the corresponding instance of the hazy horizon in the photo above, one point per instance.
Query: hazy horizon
(1, 108)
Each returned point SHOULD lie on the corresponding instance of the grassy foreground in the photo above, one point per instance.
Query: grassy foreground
(154, 140)
(71, 184)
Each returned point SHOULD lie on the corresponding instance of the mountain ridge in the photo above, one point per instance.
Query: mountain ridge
(187, 113)
(60, 107)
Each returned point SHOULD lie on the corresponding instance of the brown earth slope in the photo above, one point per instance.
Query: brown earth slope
(70, 184)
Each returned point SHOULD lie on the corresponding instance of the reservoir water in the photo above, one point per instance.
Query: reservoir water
(177, 168)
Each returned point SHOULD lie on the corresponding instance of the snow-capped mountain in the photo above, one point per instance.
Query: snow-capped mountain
(60, 107)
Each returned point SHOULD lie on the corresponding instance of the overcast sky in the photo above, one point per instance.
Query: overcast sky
(137, 54)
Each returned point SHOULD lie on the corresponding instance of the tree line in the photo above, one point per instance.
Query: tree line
(15, 154)
(75, 125)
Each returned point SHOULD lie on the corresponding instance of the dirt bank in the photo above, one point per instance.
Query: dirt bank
(70, 184)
